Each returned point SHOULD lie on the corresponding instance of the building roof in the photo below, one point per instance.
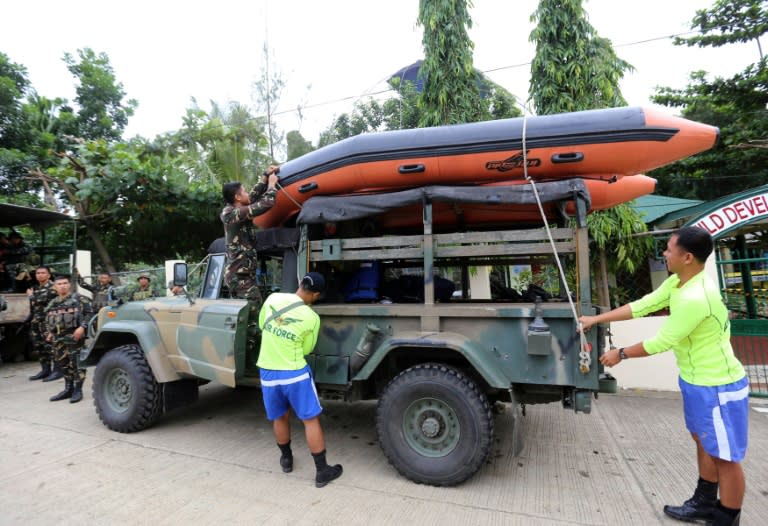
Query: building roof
(655, 208)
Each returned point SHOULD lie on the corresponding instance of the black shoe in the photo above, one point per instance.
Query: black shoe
(66, 393)
(286, 463)
(327, 474)
(77, 393)
(722, 517)
(44, 372)
(56, 373)
(692, 510)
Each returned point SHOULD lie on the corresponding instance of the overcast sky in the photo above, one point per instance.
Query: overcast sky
(330, 52)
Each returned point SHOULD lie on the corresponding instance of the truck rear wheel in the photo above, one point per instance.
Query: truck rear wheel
(434, 425)
(125, 393)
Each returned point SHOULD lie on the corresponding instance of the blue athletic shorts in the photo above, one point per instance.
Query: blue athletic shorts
(283, 390)
(719, 416)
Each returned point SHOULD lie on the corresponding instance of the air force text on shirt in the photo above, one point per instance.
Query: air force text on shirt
(280, 332)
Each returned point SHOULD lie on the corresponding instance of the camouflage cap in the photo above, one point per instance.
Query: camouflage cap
(144, 276)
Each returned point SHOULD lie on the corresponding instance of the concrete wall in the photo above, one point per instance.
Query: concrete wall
(653, 372)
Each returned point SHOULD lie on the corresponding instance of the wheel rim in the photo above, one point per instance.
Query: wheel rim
(118, 390)
(431, 428)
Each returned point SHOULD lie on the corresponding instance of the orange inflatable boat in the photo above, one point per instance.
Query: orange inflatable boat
(601, 144)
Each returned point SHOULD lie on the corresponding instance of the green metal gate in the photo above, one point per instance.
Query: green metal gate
(744, 294)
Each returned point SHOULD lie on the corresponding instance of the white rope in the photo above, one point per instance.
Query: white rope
(289, 196)
(584, 357)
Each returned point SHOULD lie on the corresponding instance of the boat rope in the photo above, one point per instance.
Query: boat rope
(585, 357)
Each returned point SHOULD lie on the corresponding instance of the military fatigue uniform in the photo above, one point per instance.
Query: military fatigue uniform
(139, 294)
(41, 296)
(100, 293)
(63, 317)
(239, 234)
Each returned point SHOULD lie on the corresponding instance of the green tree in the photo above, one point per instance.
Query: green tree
(101, 113)
(297, 145)
(133, 201)
(14, 133)
(573, 68)
(402, 111)
(451, 94)
(737, 105)
(226, 144)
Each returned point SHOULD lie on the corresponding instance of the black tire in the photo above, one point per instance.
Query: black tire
(434, 425)
(125, 393)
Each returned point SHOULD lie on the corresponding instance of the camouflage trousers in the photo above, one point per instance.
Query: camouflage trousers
(243, 286)
(66, 354)
(44, 349)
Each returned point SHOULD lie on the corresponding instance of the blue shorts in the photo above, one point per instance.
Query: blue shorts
(719, 416)
(283, 390)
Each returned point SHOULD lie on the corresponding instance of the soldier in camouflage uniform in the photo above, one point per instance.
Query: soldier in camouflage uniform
(100, 289)
(19, 258)
(144, 291)
(241, 208)
(67, 318)
(39, 298)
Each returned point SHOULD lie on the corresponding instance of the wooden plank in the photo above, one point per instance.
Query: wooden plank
(504, 235)
(503, 250)
(365, 255)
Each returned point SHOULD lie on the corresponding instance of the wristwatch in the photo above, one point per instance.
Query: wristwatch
(622, 354)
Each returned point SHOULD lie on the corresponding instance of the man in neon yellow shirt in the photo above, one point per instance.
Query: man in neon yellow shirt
(713, 383)
(289, 329)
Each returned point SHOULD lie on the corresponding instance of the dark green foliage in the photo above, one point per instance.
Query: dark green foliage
(574, 69)
(451, 94)
(737, 105)
(101, 112)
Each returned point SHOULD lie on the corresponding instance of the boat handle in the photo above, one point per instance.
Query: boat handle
(411, 168)
(307, 187)
(570, 157)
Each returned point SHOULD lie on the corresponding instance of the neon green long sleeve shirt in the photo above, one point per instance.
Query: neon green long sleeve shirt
(286, 339)
(697, 330)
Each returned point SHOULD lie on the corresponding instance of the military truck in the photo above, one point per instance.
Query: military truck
(13, 327)
(436, 361)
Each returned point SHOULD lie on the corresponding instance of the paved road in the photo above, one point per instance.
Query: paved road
(216, 463)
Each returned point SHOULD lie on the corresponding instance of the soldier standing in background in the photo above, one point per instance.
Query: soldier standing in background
(100, 289)
(67, 318)
(144, 291)
(39, 298)
(237, 215)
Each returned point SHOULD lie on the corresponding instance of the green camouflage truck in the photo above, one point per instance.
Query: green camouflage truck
(436, 362)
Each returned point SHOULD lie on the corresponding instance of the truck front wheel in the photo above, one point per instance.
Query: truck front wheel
(125, 393)
(434, 425)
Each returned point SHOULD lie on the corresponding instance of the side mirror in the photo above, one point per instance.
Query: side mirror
(179, 274)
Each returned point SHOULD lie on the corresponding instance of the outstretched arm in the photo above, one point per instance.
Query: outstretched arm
(618, 314)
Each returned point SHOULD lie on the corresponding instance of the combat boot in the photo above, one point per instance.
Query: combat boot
(44, 371)
(77, 392)
(722, 516)
(700, 506)
(66, 393)
(56, 373)
(325, 473)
